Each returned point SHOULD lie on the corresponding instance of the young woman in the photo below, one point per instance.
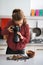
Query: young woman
(18, 19)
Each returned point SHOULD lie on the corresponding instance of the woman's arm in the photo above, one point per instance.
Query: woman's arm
(25, 39)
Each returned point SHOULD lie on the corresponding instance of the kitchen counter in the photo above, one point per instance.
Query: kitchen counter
(36, 60)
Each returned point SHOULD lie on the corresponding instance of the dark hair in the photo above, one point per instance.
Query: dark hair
(16, 11)
(17, 15)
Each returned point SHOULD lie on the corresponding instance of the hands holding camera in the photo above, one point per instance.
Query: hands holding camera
(20, 35)
(10, 29)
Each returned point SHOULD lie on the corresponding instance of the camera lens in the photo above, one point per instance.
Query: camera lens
(16, 36)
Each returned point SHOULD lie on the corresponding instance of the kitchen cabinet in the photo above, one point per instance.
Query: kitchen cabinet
(31, 46)
(3, 46)
(28, 47)
(39, 48)
(34, 47)
(3, 49)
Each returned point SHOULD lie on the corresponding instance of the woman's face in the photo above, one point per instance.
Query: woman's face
(19, 23)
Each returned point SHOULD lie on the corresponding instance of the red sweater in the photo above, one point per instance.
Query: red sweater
(25, 33)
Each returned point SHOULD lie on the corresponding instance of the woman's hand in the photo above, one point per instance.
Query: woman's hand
(10, 29)
(20, 35)
(5, 37)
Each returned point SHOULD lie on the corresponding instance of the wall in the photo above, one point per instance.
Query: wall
(7, 6)
(36, 4)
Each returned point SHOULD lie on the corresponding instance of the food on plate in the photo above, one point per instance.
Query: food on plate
(17, 56)
(14, 57)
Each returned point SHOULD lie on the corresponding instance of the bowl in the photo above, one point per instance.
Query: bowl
(30, 53)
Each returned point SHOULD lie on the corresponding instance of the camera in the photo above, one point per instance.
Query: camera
(16, 28)
(16, 38)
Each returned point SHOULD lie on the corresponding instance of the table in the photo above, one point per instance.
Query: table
(36, 60)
